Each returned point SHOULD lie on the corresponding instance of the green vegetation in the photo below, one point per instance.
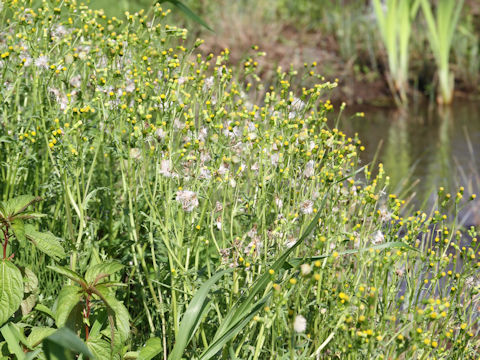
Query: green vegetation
(395, 24)
(194, 213)
(440, 37)
(362, 41)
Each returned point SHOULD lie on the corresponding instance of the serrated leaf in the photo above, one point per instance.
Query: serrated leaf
(19, 204)
(45, 242)
(102, 270)
(37, 334)
(18, 227)
(68, 298)
(62, 343)
(152, 348)
(11, 290)
(100, 348)
(122, 321)
(69, 273)
(29, 215)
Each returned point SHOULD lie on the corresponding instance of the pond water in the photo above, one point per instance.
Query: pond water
(423, 149)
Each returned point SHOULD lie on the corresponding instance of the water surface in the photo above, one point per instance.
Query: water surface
(424, 148)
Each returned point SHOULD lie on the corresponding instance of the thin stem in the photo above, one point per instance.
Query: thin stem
(5, 235)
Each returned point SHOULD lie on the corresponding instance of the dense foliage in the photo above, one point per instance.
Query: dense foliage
(201, 214)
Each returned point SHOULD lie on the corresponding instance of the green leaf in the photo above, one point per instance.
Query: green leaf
(29, 215)
(99, 271)
(218, 344)
(68, 298)
(19, 204)
(100, 348)
(37, 334)
(61, 344)
(187, 11)
(152, 348)
(11, 336)
(45, 242)
(119, 310)
(11, 289)
(292, 263)
(45, 310)
(18, 228)
(193, 315)
(70, 274)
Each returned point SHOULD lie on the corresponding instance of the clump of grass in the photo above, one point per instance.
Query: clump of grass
(441, 28)
(150, 154)
(395, 23)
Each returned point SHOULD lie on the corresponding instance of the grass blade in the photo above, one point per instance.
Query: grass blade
(193, 315)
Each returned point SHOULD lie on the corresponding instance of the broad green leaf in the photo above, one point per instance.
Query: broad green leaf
(68, 298)
(37, 334)
(62, 343)
(99, 271)
(69, 273)
(152, 348)
(10, 334)
(100, 348)
(11, 289)
(19, 204)
(45, 242)
(18, 228)
(193, 315)
(122, 321)
(187, 11)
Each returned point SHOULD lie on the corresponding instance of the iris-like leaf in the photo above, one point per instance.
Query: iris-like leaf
(193, 315)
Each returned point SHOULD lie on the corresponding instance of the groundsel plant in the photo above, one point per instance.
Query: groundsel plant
(205, 215)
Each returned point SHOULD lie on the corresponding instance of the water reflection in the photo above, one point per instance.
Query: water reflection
(426, 148)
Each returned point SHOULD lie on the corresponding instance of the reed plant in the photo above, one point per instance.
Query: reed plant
(395, 21)
(441, 25)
